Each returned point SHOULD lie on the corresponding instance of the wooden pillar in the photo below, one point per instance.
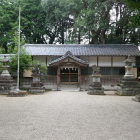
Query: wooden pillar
(97, 61)
(111, 65)
(69, 75)
(79, 77)
(58, 78)
(111, 61)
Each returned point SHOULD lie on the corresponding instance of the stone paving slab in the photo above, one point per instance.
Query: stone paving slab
(66, 115)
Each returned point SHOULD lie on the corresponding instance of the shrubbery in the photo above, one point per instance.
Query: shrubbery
(25, 63)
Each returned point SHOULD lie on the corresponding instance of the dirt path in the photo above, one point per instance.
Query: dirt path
(69, 116)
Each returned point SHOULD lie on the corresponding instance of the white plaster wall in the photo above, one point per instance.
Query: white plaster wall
(27, 73)
(104, 61)
(92, 60)
(41, 59)
(50, 58)
(134, 58)
(118, 61)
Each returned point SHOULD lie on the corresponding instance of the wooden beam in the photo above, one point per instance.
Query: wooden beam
(97, 61)
(111, 65)
(79, 77)
(58, 78)
(111, 61)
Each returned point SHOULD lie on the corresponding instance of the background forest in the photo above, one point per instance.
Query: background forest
(69, 21)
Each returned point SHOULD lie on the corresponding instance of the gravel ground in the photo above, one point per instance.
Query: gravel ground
(69, 116)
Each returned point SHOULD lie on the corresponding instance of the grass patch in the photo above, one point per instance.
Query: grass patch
(47, 90)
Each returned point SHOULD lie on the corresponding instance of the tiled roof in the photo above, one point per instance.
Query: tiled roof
(84, 50)
(68, 54)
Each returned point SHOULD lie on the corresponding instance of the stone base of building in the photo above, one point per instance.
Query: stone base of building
(37, 90)
(17, 93)
(128, 91)
(96, 92)
(137, 98)
(129, 87)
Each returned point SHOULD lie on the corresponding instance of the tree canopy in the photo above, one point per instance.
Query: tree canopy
(25, 63)
(135, 18)
(69, 21)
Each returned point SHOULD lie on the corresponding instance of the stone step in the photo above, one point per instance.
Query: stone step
(69, 87)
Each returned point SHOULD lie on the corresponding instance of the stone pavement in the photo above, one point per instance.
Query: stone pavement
(66, 115)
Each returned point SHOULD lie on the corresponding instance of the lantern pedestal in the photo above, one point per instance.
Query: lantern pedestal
(96, 87)
(6, 81)
(129, 86)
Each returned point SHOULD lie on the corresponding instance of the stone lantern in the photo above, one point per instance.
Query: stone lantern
(6, 81)
(128, 67)
(96, 86)
(37, 85)
(5, 73)
(129, 85)
(137, 98)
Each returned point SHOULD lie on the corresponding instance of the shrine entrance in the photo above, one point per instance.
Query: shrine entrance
(68, 69)
(69, 75)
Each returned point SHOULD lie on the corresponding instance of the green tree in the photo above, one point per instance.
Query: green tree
(25, 63)
(94, 22)
(121, 32)
(69, 21)
(135, 18)
(43, 69)
(8, 17)
(0, 67)
(33, 21)
(93, 19)
(133, 3)
(58, 19)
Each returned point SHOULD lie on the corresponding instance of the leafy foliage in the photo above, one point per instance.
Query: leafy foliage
(135, 18)
(8, 17)
(43, 68)
(69, 21)
(133, 3)
(0, 67)
(25, 63)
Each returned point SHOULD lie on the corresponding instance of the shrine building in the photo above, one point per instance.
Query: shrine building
(71, 64)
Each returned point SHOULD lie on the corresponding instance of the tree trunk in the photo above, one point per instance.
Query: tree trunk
(102, 37)
(5, 48)
(79, 36)
(62, 36)
(89, 37)
(62, 33)
(52, 38)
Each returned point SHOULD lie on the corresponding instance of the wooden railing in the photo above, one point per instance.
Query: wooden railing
(107, 80)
